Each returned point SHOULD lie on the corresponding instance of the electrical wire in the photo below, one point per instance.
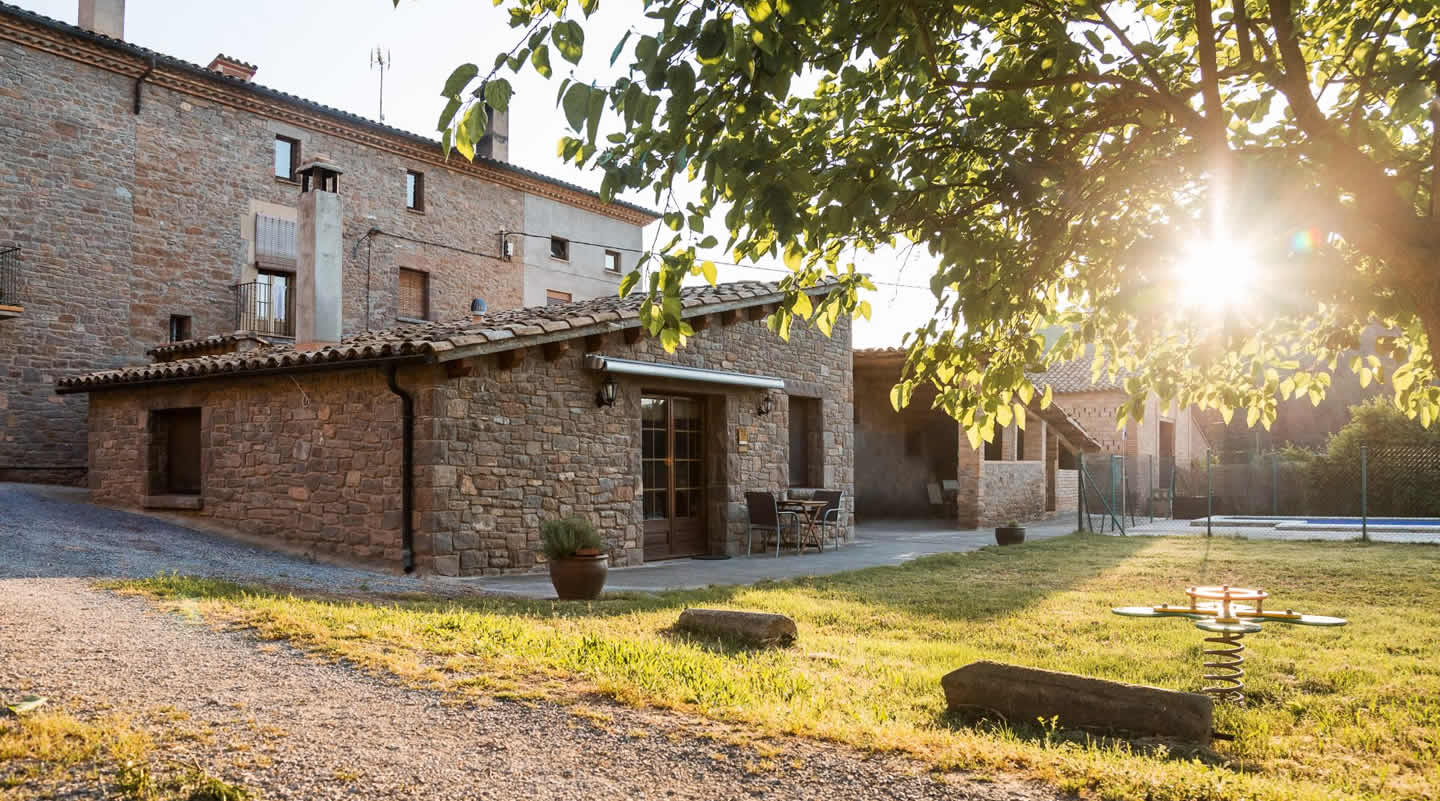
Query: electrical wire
(763, 268)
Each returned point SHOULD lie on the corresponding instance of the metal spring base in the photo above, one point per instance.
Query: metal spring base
(1224, 662)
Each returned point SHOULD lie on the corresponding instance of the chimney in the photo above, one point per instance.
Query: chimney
(233, 67)
(105, 17)
(495, 144)
(318, 264)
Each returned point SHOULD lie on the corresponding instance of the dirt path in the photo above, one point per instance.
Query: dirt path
(292, 727)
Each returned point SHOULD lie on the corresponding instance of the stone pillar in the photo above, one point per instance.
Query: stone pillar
(319, 254)
(971, 464)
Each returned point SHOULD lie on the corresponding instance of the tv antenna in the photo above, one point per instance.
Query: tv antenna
(380, 59)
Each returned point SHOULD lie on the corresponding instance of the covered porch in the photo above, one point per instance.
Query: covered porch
(917, 464)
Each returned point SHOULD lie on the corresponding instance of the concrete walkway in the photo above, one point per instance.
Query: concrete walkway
(876, 544)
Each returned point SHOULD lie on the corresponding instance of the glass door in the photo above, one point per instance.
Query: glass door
(672, 462)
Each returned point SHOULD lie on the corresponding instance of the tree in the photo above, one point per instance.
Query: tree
(1056, 157)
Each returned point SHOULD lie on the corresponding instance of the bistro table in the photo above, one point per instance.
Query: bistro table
(809, 510)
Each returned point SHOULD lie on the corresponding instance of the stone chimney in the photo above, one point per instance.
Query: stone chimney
(319, 254)
(233, 67)
(495, 144)
(105, 17)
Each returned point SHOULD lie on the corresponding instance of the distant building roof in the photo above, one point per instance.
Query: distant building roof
(497, 331)
(1076, 376)
(195, 70)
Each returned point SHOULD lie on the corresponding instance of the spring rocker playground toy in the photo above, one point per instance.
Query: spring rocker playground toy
(1219, 612)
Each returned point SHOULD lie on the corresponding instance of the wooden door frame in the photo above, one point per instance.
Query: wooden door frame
(701, 532)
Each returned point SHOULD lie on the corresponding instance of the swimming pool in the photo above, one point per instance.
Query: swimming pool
(1299, 523)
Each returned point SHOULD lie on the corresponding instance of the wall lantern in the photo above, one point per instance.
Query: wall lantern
(605, 396)
(766, 406)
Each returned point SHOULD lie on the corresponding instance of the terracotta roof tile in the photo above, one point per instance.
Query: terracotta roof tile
(508, 327)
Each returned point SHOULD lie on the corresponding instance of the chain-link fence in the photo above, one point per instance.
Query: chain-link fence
(1374, 480)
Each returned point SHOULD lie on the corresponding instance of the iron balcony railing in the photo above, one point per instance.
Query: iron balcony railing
(10, 277)
(266, 307)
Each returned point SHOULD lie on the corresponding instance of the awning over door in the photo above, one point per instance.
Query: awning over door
(596, 361)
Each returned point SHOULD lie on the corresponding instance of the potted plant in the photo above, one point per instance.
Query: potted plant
(578, 564)
(1012, 533)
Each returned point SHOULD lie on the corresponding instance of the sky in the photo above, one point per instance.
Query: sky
(321, 49)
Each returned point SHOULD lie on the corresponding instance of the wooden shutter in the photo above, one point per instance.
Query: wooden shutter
(413, 298)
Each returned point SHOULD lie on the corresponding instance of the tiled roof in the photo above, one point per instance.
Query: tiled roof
(167, 351)
(275, 94)
(496, 331)
(1075, 376)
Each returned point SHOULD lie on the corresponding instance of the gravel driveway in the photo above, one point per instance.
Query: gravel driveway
(290, 726)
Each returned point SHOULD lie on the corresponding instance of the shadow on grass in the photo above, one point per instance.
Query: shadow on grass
(1052, 733)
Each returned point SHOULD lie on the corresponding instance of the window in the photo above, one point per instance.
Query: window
(994, 449)
(1066, 459)
(559, 248)
(612, 261)
(413, 298)
(287, 157)
(414, 190)
(554, 296)
(1019, 444)
(179, 327)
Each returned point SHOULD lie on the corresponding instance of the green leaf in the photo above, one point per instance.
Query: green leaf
(900, 396)
(447, 116)
(794, 257)
(707, 268)
(595, 106)
(497, 94)
(803, 307)
(619, 48)
(576, 105)
(1047, 398)
(569, 39)
(628, 282)
(540, 60)
(459, 79)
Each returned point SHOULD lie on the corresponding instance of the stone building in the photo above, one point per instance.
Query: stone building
(147, 200)
(304, 447)
(1151, 449)
(919, 463)
(1021, 475)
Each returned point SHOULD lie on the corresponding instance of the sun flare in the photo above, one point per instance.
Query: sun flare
(1216, 274)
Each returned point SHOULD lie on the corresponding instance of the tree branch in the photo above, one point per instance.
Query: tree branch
(1209, 75)
(1294, 77)
(1364, 88)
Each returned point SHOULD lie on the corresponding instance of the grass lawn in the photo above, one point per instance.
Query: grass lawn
(1334, 713)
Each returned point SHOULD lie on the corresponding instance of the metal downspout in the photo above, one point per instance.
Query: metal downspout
(407, 462)
(141, 80)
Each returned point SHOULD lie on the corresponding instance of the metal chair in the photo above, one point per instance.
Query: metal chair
(828, 518)
(765, 515)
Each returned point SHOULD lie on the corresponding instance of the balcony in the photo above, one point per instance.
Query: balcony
(266, 307)
(10, 303)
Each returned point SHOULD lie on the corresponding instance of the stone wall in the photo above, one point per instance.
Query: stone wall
(1011, 491)
(500, 450)
(308, 462)
(125, 219)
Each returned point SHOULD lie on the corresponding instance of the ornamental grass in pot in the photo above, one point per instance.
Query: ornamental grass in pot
(578, 562)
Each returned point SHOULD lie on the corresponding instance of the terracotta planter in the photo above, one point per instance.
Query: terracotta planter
(579, 578)
(1009, 535)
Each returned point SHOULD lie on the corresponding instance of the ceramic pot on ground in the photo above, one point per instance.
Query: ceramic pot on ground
(1009, 535)
(579, 578)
